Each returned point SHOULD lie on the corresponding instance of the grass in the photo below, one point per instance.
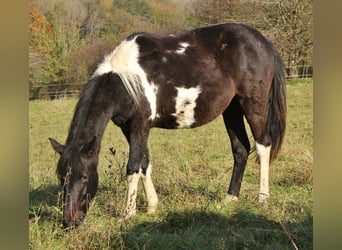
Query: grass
(192, 171)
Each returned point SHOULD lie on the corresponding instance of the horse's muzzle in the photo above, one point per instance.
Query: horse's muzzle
(73, 218)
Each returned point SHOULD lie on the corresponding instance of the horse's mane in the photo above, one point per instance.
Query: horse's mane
(82, 111)
(72, 154)
(123, 61)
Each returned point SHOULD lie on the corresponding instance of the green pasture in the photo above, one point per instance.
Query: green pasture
(191, 172)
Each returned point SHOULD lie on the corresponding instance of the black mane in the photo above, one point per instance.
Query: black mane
(82, 111)
(72, 153)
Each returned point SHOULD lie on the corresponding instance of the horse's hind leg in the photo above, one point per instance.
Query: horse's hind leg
(257, 122)
(233, 119)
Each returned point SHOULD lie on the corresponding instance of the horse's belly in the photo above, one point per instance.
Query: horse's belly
(193, 108)
(183, 108)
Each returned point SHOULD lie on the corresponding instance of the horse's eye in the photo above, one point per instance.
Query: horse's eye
(84, 177)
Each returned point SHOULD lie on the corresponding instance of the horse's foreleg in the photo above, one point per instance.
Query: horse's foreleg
(139, 166)
(263, 153)
(150, 191)
(133, 181)
(133, 172)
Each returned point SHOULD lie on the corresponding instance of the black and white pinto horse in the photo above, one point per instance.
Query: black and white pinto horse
(181, 80)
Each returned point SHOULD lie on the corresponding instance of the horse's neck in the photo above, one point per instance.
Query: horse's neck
(94, 125)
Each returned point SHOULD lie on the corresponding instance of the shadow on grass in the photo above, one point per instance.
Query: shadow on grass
(42, 202)
(189, 229)
(206, 230)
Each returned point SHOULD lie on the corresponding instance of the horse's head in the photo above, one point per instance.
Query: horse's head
(77, 172)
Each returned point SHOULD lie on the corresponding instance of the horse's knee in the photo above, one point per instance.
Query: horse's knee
(132, 169)
(241, 154)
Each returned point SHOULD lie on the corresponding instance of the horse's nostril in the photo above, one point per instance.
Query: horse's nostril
(74, 219)
(77, 216)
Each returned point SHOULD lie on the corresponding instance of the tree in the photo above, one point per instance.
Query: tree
(206, 12)
(290, 28)
(69, 37)
(287, 23)
(41, 49)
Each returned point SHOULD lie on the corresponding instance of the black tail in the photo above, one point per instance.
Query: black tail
(276, 114)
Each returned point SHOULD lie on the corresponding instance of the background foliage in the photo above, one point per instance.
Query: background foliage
(67, 38)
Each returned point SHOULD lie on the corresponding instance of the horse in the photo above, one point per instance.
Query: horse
(173, 81)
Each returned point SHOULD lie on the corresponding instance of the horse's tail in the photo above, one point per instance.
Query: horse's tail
(276, 111)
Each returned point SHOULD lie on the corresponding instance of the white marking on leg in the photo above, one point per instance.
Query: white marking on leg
(185, 106)
(264, 158)
(150, 191)
(124, 61)
(229, 198)
(133, 181)
(182, 48)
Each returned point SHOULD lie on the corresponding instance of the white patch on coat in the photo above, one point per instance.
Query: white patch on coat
(182, 48)
(185, 106)
(104, 67)
(123, 60)
(151, 91)
(164, 59)
(223, 46)
(264, 158)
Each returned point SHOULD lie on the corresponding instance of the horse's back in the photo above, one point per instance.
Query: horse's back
(193, 75)
(209, 55)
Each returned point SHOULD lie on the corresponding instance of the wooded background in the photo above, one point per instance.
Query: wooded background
(67, 38)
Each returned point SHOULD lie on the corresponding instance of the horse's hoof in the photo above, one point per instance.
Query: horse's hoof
(152, 208)
(152, 205)
(230, 198)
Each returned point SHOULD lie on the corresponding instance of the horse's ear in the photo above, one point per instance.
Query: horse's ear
(59, 148)
(90, 148)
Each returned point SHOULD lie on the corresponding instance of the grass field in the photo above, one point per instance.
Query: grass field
(192, 170)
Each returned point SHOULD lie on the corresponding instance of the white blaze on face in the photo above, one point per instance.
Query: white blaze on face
(124, 61)
(185, 106)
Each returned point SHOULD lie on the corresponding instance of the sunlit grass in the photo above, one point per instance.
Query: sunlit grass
(191, 171)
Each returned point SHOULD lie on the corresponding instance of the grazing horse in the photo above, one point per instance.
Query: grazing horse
(181, 80)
